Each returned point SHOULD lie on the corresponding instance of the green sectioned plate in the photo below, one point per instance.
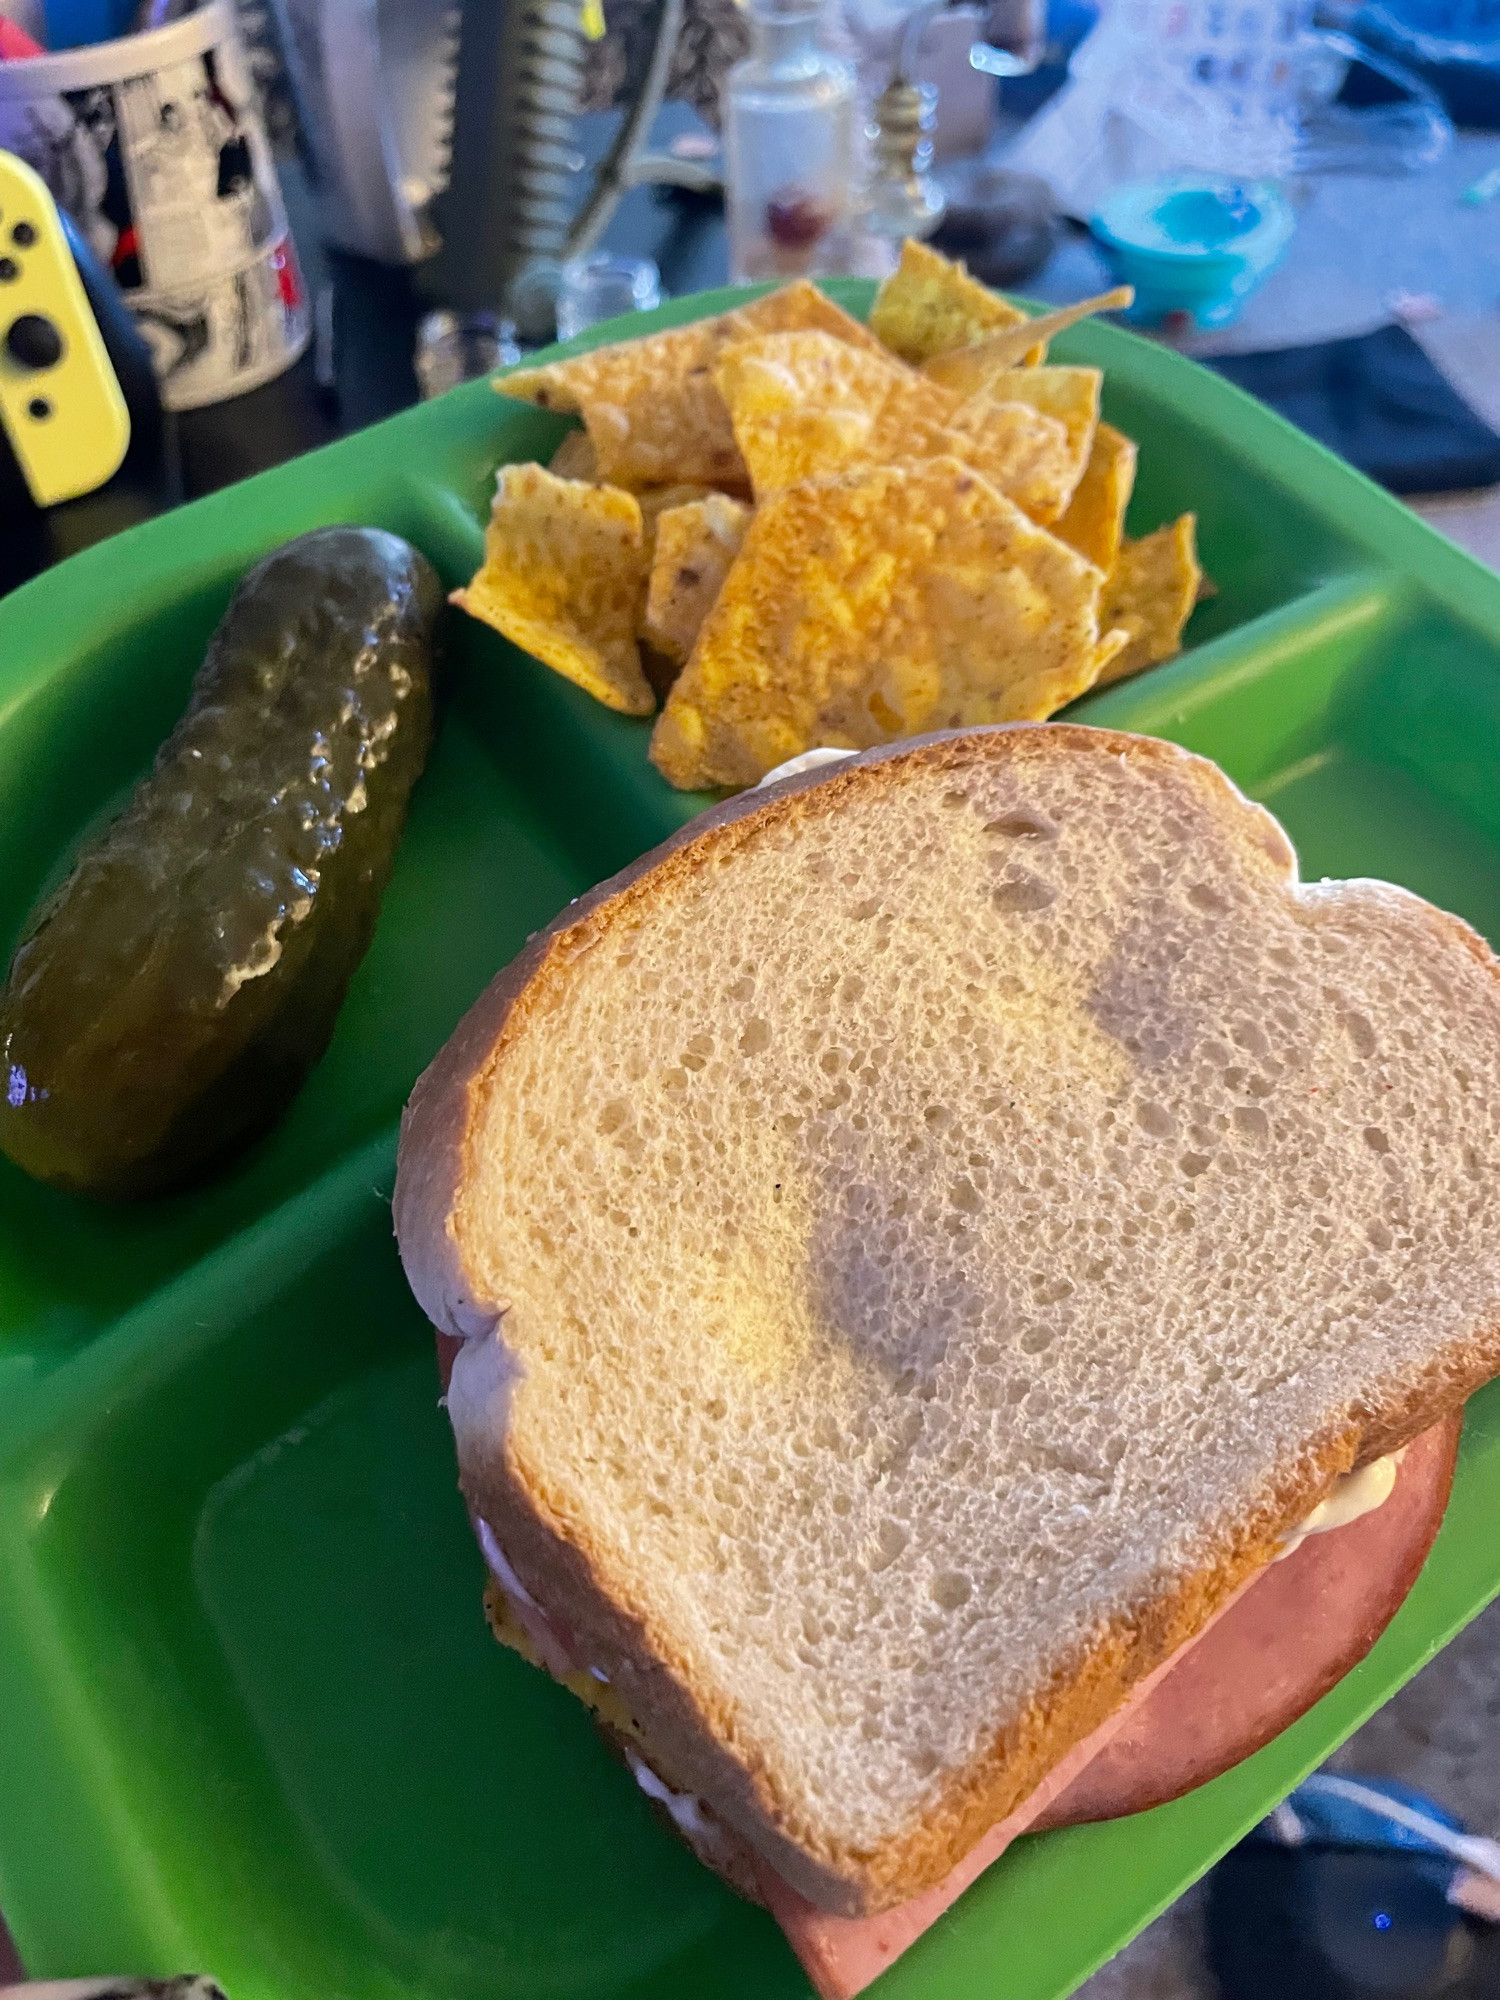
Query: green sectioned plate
(251, 1721)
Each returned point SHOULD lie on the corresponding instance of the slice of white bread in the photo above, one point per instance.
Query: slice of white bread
(921, 1238)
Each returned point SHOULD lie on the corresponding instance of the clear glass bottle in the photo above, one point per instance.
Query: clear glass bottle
(791, 144)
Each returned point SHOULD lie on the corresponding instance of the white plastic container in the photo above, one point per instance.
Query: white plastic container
(1215, 82)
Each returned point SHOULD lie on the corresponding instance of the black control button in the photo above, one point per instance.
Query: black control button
(39, 408)
(34, 342)
(9, 269)
(23, 235)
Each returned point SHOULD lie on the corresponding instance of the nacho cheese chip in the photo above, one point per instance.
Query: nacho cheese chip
(1014, 346)
(1095, 521)
(1026, 453)
(1071, 394)
(796, 308)
(1071, 397)
(800, 404)
(929, 305)
(564, 568)
(804, 405)
(1150, 597)
(891, 600)
(695, 544)
(651, 407)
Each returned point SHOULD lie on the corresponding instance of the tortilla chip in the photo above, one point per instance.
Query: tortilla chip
(651, 407)
(1095, 521)
(1071, 394)
(1017, 346)
(1027, 454)
(800, 404)
(656, 418)
(695, 545)
(564, 568)
(575, 458)
(1071, 397)
(1150, 597)
(914, 422)
(929, 306)
(655, 502)
(805, 406)
(891, 600)
(797, 308)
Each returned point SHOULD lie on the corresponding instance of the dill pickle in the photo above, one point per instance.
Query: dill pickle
(165, 1005)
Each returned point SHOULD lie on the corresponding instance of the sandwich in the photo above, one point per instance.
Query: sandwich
(918, 1260)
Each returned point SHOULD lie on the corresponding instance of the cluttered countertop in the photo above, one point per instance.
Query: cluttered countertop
(1381, 353)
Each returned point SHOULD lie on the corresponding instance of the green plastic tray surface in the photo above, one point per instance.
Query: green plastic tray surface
(251, 1721)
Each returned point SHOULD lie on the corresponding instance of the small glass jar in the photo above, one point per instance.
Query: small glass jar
(791, 145)
(457, 347)
(602, 286)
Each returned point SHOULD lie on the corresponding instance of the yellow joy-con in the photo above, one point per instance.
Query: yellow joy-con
(60, 401)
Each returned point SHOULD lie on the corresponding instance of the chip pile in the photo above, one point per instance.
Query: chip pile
(796, 530)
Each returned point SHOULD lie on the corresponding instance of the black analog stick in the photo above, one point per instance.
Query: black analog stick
(34, 342)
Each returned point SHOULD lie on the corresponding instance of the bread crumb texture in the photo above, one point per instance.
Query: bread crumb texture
(938, 1207)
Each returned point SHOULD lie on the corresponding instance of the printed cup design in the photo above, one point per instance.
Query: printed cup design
(155, 147)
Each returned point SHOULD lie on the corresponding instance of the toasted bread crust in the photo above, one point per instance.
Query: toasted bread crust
(692, 1733)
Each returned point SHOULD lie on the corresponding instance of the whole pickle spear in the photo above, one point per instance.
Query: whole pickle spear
(165, 1005)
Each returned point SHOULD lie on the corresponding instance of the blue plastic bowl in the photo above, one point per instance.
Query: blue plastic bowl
(1193, 244)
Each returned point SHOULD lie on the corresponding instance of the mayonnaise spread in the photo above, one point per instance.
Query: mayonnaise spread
(808, 761)
(1356, 1494)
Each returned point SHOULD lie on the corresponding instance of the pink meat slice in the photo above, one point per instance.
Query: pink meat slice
(1309, 1620)
(842, 1955)
(1272, 1650)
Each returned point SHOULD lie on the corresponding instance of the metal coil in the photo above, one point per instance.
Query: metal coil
(550, 66)
(512, 213)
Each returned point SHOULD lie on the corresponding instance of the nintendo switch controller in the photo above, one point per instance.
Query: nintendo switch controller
(61, 405)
